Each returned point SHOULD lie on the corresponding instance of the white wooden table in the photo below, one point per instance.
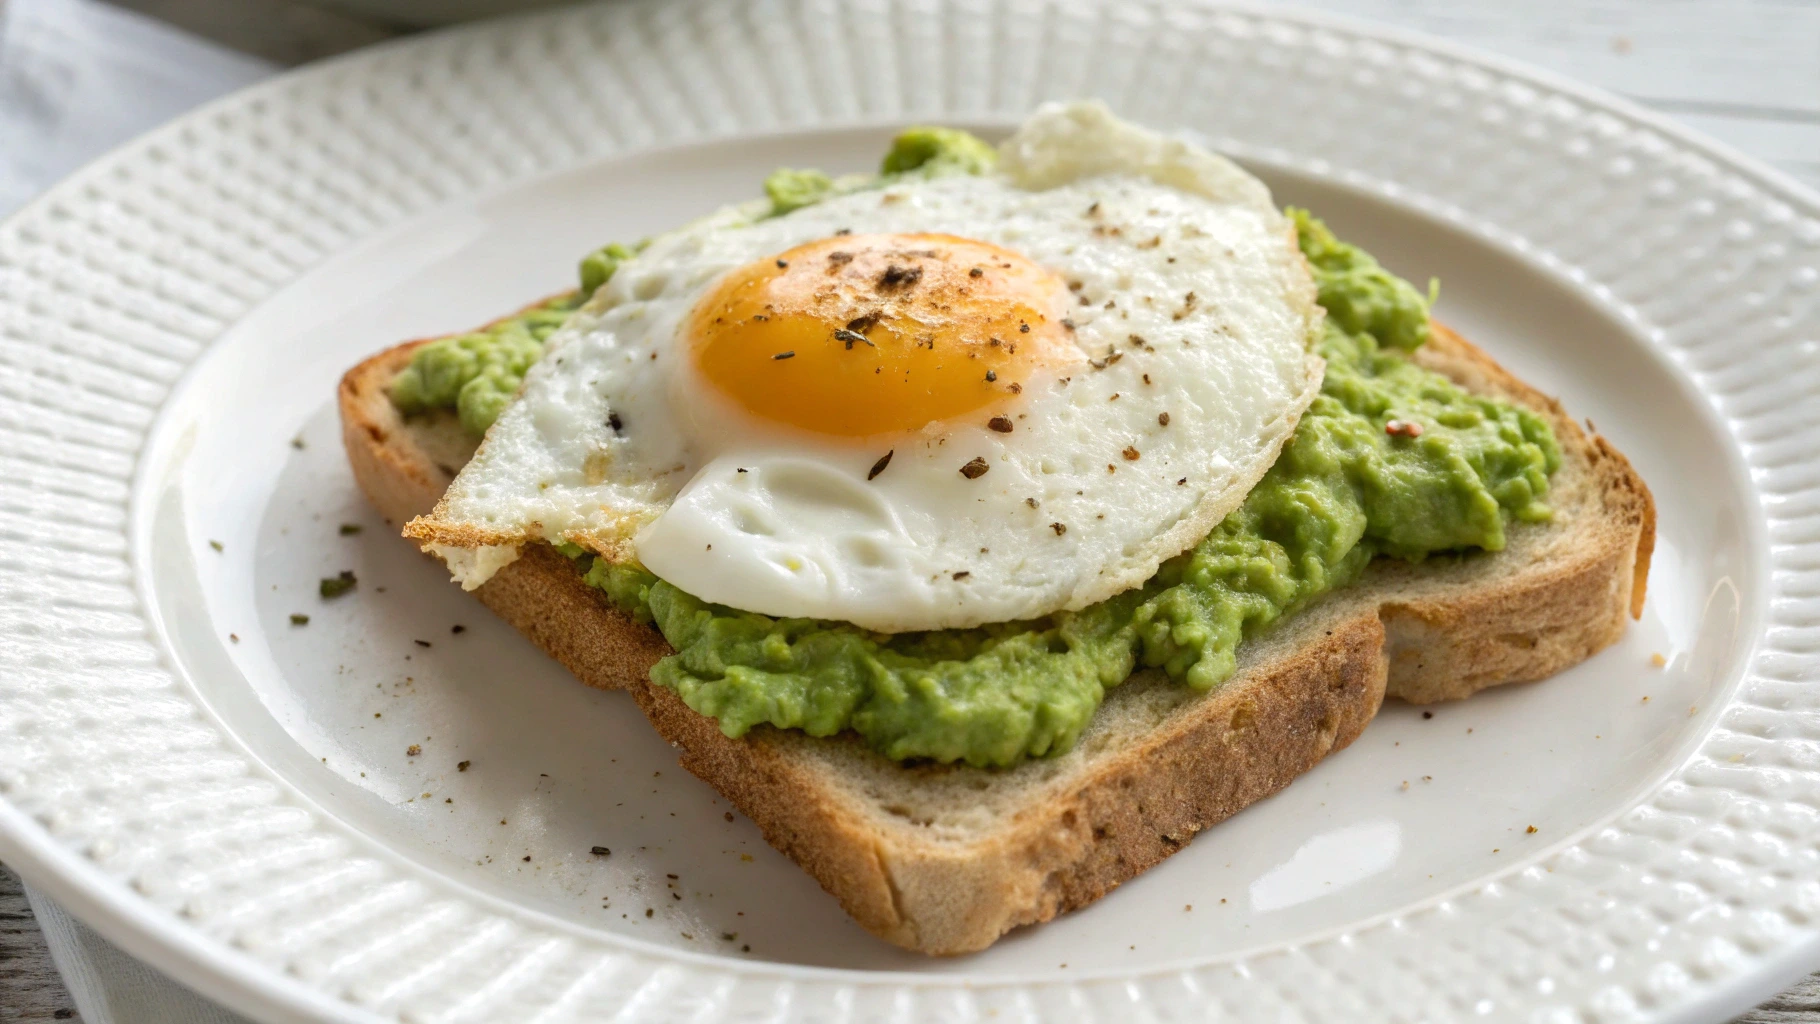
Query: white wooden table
(1744, 71)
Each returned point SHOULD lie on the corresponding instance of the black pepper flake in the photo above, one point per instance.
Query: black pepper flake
(1059, 528)
(843, 334)
(1183, 482)
(1130, 453)
(1067, 323)
(421, 643)
(1015, 388)
(963, 574)
(297, 443)
(1428, 714)
(527, 858)
(1094, 209)
(843, 231)
(975, 469)
(648, 911)
(1030, 501)
(1001, 424)
(458, 628)
(1023, 328)
(299, 620)
(463, 766)
(1162, 419)
(615, 422)
(781, 264)
(839, 258)
(350, 529)
(991, 375)
(601, 851)
(899, 277)
(335, 586)
(1146, 378)
(785, 355)
(879, 466)
(862, 324)
(976, 272)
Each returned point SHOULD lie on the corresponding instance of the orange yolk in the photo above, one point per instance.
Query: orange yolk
(868, 334)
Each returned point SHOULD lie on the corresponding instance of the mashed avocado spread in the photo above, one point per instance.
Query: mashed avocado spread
(1344, 490)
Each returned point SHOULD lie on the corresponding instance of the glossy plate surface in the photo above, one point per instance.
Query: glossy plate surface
(232, 796)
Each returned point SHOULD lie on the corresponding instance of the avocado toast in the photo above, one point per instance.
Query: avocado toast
(945, 857)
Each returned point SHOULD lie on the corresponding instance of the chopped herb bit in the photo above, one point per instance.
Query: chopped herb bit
(975, 469)
(1015, 388)
(843, 231)
(879, 466)
(963, 574)
(299, 620)
(336, 586)
(297, 443)
(350, 529)
(216, 545)
(1031, 502)
(463, 766)
(413, 750)
(601, 851)
(785, 355)
(1162, 419)
(421, 643)
(843, 334)
(1059, 528)
(1183, 482)
(1001, 424)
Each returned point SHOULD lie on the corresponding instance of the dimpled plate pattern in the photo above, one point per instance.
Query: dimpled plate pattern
(124, 796)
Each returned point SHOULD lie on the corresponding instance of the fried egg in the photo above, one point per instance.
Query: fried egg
(941, 404)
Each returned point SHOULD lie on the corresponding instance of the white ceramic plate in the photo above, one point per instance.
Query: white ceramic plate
(230, 797)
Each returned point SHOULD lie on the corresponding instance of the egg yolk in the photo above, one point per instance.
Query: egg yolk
(857, 335)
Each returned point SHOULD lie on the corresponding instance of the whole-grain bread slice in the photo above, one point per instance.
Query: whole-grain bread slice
(945, 859)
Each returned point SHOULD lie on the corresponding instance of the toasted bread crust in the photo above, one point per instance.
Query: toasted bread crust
(1158, 764)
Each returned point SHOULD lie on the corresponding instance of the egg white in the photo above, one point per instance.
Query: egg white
(1193, 305)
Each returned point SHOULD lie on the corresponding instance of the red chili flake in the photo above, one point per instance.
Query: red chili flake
(1403, 428)
(975, 469)
(1001, 424)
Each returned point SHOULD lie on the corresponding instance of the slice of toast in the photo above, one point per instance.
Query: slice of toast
(946, 858)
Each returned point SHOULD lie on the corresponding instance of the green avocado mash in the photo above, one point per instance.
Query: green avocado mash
(1343, 491)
